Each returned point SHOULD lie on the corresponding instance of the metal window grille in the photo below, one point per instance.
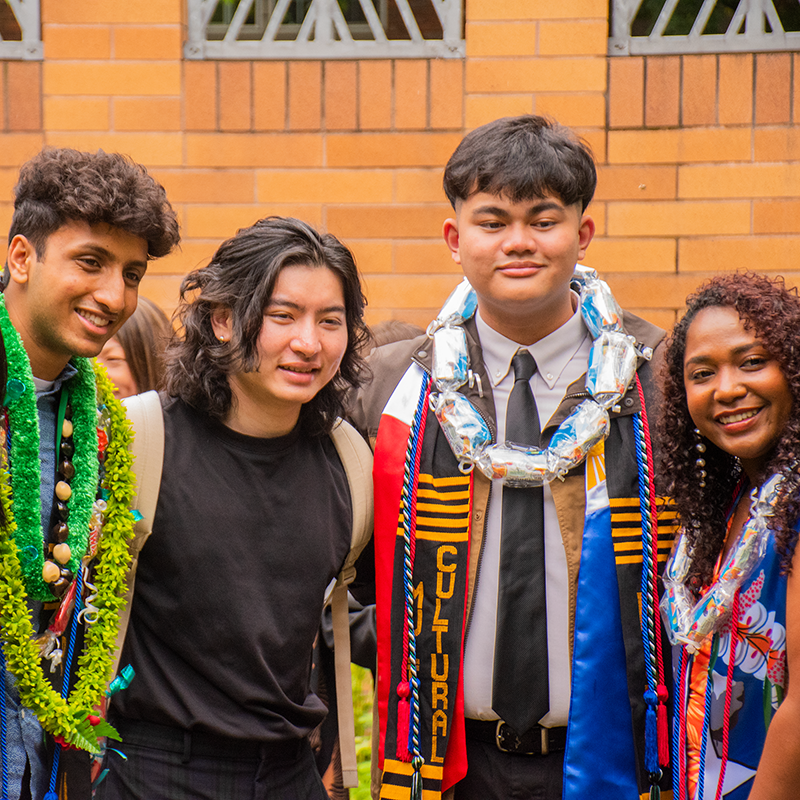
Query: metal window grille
(20, 30)
(640, 27)
(324, 29)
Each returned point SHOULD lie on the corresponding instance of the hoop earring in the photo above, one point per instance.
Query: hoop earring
(700, 463)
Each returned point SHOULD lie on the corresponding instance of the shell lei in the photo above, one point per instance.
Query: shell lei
(68, 719)
(612, 368)
(689, 620)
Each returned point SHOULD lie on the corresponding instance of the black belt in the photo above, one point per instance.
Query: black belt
(537, 741)
(202, 744)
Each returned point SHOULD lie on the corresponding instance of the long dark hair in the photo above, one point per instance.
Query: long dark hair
(241, 277)
(772, 312)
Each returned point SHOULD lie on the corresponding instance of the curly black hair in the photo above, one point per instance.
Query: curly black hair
(241, 277)
(61, 185)
(772, 312)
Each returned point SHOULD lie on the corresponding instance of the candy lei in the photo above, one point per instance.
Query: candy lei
(612, 368)
(690, 620)
(69, 719)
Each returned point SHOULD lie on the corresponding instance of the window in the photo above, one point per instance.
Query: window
(282, 29)
(703, 26)
(20, 30)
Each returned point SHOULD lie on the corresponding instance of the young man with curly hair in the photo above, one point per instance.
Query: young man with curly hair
(85, 226)
(495, 693)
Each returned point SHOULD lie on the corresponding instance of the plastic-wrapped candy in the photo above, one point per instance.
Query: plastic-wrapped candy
(466, 430)
(612, 366)
(600, 310)
(517, 466)
(587, 425)
(676, 603)
(459, 306)
(583, 274)
(450, 361)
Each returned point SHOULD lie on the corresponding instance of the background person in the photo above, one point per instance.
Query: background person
(731, 423)
(134, 358)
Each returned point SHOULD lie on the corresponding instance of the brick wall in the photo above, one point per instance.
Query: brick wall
(699, 163)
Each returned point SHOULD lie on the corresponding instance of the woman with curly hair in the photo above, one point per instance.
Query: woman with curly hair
(730, 433)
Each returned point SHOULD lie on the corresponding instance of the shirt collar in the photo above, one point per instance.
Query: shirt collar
(51, 387)
(552, 354)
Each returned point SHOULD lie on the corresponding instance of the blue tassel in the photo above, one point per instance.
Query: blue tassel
(51, 796)
(651, 732)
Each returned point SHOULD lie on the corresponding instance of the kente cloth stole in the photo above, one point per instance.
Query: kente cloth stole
(608, 662)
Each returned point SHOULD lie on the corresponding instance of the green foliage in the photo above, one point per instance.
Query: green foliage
(362, 708)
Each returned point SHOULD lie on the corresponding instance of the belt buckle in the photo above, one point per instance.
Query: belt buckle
(506, 739)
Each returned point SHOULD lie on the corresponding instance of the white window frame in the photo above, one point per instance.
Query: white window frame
(324, 34)
(750, 13)
(30, 47)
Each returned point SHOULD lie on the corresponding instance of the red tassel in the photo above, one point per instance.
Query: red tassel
(403, 721)
(663, 727)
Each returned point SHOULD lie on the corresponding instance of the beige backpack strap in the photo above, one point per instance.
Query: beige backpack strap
(356, 457)
(147, 419)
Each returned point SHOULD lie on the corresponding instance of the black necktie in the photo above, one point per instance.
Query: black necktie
(520, 692)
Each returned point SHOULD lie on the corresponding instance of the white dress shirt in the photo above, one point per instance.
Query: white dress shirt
(561, 358)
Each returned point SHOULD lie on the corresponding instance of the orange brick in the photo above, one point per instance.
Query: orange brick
(679, 218)
(8, 180)
(490, 10)
(487, 75)
(144, 42)
(147, 114)
(416, 316)
(576, 38)
(76, 42)
(19, 147)
(480, 109)
(699, 96)
(501, 39)
(662, 91)
(660, 290)
(631, 255)
(24, 93)
(340, 95)
(777, 254)
(163, 290)
(741, 180)
(776, 144)
(208, 186)
(773, 88)
(447, 93)
(269, 95)
(150, 149)
(776, 216)
(371, 256)
(387, 221)
(409, 291)
(192, 254)
(112, 78)
(735, 89)
(147, 12)
(596, 139)
(223, 221)
(636, 183)
(410, 94)
(573, 109)
(253, 150)
(424, 258)
(76, 114)
(324, 186)
(305, 95)
(390, 150)
(200, 95)
(597, 211)
(626, 92)
(235, 98)
(679, 146)
(375, 95)
(419, 186)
